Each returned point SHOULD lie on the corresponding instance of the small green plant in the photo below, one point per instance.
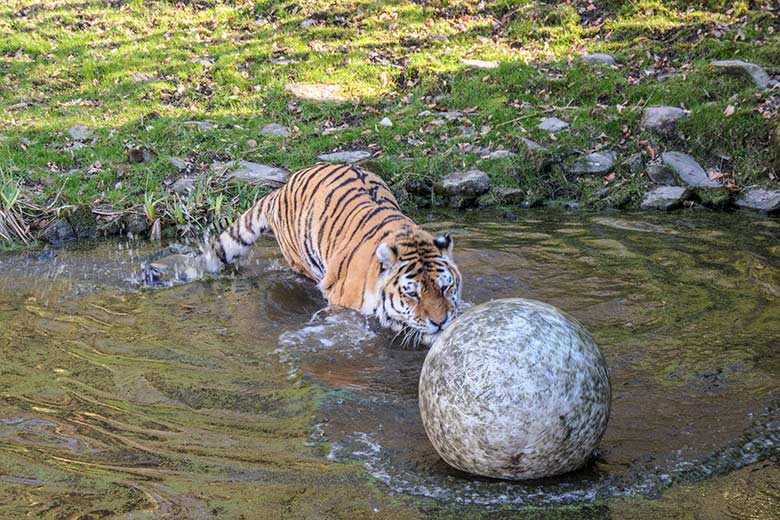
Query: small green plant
(150, 205)
(9, 193)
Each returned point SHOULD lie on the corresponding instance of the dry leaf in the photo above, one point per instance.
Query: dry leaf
(729, 111)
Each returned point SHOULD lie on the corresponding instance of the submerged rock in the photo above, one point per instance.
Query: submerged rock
(552, 125)
(345, 157)
(687, 170)
(662, 119)
(665, 198)
(751, 70)
(759, 199)
(596, 163)
(464, 188)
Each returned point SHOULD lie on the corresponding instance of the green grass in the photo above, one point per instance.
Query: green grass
(67, 62)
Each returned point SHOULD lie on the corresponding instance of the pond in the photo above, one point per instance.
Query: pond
(242, 397)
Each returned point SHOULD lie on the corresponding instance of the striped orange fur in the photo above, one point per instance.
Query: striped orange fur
(341, 226)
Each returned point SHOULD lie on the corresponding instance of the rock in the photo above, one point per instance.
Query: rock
(142, 77)
(75, 145)
(58, 233)
(464, 188)
(552, 125)
(598, 59)
(184, 185)
(134, 224)
(661, 174)
(753, 71)
(140, 154)
(345, 157)
(596, 163)
(759, 199)
(662, 120)
(665, 198)
(386, 122)
(509, 196)
(83, 222)
(449, 115)
(275, 130)
(515, 389)
(308, 22)
(479, 64)
(317, 92)
(200, 125)
(252, 172)
(178, 163)
(635, 163)
(532, 146)
(500, 154)
(468, 131)
(687, 170)
(80, 132)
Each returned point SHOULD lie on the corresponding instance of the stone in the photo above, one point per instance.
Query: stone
(464, 188)
(759, 199)
(661, 174)
(345, 157)
(134, 224)
(552, 125)
(479, 64)
(509, 196)
(142, 77)
(687, 170)
(596, 163)
(74, 146)
(251, 172)
(532, 146)
(82, 221)
(665, 198)
(177, 162)
(184, 185)
(275, 130)
(598, 59)
(449, 115)
(80, 132)
(662, 119)
(58, 232)
(140, 154)
(635, 163)
(386, 122)
(317, 92)
(501, 154)
(753, 71)
(515, 389)
(200, 125)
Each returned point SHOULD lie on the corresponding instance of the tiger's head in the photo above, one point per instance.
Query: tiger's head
(419, 285)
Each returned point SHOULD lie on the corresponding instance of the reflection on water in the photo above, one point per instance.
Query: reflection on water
(240, 395)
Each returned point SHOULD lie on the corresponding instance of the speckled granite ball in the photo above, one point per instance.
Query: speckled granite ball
(515, 389)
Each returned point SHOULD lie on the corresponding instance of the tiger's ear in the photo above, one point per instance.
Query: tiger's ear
(386, 255)
(445, 244)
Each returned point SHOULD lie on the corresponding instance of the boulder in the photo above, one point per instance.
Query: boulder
(509, 196)
(58, 233)
(662, 119)
(759, 199)
(83, 222)
(665, 198)
(687, 170)
(751, 70)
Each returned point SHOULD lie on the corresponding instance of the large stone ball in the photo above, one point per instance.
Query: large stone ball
(515, 389)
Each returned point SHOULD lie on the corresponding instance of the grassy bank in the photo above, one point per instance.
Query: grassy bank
(139, 74)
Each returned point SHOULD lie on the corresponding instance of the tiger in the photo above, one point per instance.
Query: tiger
(342, 227)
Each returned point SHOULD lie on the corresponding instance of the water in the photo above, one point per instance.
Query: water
(241, 397)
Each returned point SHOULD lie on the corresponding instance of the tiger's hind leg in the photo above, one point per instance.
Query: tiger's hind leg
(240, 235)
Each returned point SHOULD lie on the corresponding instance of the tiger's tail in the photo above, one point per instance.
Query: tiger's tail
(239, 236)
